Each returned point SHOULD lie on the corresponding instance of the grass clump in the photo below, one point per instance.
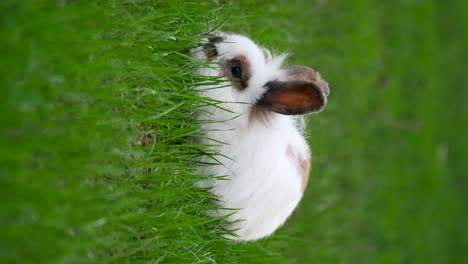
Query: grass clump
(97, 112)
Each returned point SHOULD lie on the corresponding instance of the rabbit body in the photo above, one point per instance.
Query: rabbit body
(263, 154)
(264, 180)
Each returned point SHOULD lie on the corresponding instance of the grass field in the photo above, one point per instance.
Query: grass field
(96, 165)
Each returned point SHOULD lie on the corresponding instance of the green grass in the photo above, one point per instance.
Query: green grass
(96, 165)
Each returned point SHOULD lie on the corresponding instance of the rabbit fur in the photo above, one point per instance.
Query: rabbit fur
(257, 132)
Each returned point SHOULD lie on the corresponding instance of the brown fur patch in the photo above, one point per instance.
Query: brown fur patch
(305, 171)
(242, 62)
(246, 71)
(210, 48)
(210, 51)
(302, 164)
(290, 152)
(215, 39)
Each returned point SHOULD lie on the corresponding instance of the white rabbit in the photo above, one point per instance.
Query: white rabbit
(264, 156)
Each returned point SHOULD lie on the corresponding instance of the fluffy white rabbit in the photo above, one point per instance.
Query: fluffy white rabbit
(263, 155)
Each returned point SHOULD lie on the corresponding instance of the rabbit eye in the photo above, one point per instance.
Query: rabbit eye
(236, 72)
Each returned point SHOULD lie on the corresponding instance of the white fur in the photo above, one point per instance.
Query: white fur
(261, 180)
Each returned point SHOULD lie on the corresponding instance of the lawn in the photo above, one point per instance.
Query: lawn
(96, 165)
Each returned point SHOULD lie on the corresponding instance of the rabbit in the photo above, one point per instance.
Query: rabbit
(258, 132)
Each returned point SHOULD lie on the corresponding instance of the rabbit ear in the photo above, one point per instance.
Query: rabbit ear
(293, 97)
(302, 92)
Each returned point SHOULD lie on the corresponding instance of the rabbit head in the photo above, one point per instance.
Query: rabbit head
(257, 80)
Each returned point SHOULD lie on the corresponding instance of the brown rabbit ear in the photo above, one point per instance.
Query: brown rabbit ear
(293, 97)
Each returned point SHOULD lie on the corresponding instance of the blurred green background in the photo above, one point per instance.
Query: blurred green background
(83, 81)
(388, 183)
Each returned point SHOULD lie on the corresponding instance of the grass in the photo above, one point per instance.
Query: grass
(96, 165)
